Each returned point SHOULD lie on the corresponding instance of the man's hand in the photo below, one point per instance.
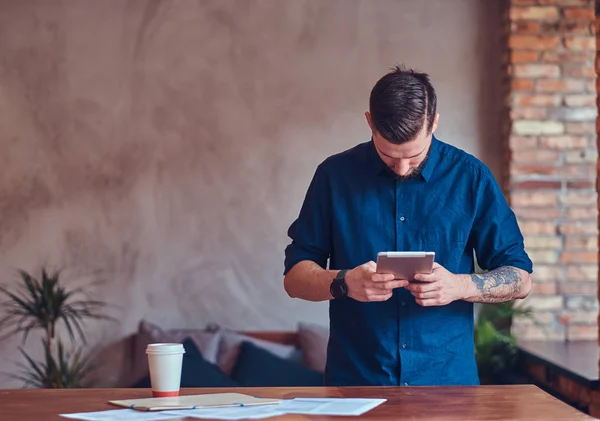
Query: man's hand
(364, 284)
(438, 288)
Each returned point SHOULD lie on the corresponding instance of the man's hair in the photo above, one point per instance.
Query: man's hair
(401, 103)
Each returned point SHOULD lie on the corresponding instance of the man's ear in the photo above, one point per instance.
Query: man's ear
(369, 121)
(436, 120)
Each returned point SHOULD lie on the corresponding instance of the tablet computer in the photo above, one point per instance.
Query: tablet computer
(405, 264)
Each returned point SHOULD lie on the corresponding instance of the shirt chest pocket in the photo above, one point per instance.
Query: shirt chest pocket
(449, 244)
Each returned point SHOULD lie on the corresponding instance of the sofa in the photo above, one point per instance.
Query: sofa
(219, 357)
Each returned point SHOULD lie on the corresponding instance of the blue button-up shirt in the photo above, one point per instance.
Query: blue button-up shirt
(355, 208)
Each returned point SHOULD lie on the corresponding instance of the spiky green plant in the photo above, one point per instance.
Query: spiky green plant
(63, 371)
(42, 304)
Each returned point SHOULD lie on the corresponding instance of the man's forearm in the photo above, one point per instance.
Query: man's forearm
(499, 285)
(309, 281)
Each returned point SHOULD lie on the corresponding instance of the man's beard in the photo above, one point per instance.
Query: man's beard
(414, 172)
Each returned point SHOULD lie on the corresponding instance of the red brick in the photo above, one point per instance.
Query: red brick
(537, 227)
(580, 333)
(578, 288)
(563, 142)
(537, 185)
(544, 303)
(520, 56)
(567, 56)
(517, 170)
(543, 256)
(581, 43)
(544, 289)
(575, 199)
(578, 171)
(525, 27)
(551, 56)
(569, 257)
(547, 273)
(536, 156)
(580, 127)
(537, 213)
(526, 113)
(580, 184)
(582, 213)
(585, 13)
(534, 13)
(580, 28)
(521, 84)
(559, 85)
(534, 199)
(581, 317)
(536, 100)
(581, 100)
(568, 228)
(576, 70)
(538, 70)
(582, 273)
(522, 142)
(543, 242)
(533, 42)
(581, 243)
(581, 156)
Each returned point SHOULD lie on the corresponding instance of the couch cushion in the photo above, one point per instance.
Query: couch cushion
(206, 341)
(196, 371)
(231, 343)
(257, 367)
(313, 339)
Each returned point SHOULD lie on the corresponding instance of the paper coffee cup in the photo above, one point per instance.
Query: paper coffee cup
(165, 361)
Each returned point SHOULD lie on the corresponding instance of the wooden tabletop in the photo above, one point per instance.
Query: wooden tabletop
(519, 402)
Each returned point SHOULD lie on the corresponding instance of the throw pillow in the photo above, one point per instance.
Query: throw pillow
(206, 341)
(313, 340)
(196, 371)
(231, 343)
(257, 367)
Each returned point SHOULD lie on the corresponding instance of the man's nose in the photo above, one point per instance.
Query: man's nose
(401, 167)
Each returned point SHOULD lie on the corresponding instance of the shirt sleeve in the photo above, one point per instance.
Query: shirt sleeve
(310, 232)
(496, 236)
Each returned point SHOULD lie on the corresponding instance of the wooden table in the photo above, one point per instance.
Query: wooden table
(520, 402)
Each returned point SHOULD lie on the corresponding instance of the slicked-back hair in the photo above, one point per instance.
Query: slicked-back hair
(401, 103)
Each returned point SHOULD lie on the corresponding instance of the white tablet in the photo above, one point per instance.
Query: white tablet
(405, 264)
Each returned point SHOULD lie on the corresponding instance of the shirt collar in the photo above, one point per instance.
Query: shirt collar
(433, 155)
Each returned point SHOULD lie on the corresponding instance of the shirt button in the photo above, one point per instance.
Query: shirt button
(402, 218)
(403, 303)
(403, 345)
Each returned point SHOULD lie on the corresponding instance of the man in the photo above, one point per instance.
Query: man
(404, 190)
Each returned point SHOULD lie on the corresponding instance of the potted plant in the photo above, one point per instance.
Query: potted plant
(45, 304)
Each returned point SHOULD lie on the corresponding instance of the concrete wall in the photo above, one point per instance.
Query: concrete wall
(165, 146)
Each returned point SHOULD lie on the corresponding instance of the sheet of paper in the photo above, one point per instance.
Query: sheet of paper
(121, 415)
(234, 413)
(329, 406)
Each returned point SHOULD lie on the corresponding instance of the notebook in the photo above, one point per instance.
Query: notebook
(211, 400)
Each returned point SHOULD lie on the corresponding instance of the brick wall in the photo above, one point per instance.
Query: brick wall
(551, 176)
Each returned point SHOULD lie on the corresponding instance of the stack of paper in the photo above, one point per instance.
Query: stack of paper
(305, 406)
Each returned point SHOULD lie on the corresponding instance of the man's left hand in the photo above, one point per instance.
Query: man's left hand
(438, 288)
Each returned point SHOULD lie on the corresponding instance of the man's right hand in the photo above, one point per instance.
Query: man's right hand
(364, 284)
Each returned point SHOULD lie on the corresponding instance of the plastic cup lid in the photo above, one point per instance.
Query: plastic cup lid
(165, 349)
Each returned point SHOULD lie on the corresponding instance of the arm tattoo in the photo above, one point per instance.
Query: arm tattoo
(499, 285)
